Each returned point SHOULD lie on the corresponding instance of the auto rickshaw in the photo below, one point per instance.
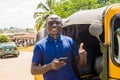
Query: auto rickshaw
(99, 30)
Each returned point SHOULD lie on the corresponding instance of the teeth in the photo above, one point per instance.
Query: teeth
(54, 29)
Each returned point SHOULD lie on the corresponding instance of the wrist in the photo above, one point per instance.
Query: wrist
(49, 66)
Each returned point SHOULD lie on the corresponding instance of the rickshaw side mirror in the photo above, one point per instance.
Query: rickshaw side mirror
(96, 29)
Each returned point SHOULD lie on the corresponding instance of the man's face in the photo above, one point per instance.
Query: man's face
(54, 25)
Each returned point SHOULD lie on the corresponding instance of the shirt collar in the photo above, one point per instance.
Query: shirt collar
(50, 39)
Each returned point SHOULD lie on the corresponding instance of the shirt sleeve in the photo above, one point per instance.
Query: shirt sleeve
(37, 55)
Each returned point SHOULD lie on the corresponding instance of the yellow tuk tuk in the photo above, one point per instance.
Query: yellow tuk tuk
(99, 30)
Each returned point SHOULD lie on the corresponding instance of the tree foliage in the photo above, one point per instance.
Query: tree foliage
(41, 16)
(4, 38)
(65, 8)
(118, 31)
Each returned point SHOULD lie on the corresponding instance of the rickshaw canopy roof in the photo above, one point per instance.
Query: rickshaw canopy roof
(85, 17)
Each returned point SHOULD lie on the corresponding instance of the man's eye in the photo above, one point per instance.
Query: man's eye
(50, 23)
(58, 23)
(53, 23)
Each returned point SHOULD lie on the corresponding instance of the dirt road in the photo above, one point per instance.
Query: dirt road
(16, 68)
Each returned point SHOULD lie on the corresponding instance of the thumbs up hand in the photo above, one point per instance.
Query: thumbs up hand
(82, 54)
(81, 46)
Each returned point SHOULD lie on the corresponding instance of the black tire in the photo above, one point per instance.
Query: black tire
(3, 57)
(16, 55)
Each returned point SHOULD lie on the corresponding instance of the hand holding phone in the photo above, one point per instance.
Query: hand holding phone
(63, 59)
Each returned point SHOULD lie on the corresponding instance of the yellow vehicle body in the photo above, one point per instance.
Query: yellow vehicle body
(114, 71)
(106, 16)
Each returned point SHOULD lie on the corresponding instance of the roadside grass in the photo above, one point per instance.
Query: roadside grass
(29, 48)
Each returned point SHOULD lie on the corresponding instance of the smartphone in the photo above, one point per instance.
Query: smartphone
(63, 59)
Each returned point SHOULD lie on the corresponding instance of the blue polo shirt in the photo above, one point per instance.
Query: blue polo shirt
(47, 49)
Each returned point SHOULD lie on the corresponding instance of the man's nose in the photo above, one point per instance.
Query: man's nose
(54, 25)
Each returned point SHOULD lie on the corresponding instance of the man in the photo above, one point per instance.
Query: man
(54, 46)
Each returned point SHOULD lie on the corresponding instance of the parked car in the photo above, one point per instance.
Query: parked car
(8, 48)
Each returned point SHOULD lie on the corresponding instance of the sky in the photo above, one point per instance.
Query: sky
(17, 13)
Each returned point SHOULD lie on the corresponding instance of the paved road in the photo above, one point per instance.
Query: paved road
(16, 68)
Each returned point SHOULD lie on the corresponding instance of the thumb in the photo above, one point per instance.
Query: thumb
(81, 46)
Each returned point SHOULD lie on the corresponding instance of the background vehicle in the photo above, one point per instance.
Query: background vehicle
(99, 30)
(8, 48)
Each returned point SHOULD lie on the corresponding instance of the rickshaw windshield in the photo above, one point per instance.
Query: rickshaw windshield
(116, 39)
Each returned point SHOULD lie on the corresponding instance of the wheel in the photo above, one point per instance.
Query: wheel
(3, 57)
(16, 55)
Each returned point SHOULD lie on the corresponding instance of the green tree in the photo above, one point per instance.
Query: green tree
(65, 8)
(118, 31)
(4, 38)
(41, 16)
(107, 2)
